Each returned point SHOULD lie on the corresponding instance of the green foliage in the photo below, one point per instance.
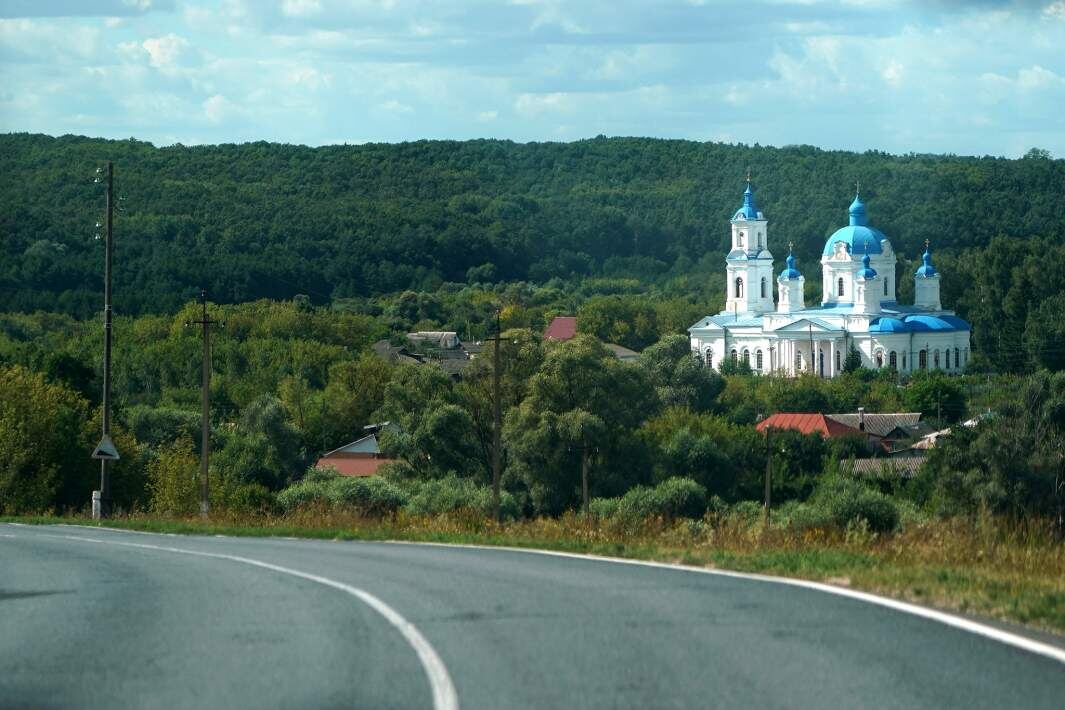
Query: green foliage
(679, 379)
(453, 493)
(853, 361)
(263, 448)
(847, 502)
(372, 496)
(936, 394)
(172, 480)
(671, 499)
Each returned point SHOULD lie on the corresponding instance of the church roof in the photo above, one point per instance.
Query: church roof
(926, 269)
(790, 273)
(918, 323)
(748, 210)
(858, 235)
(866, 272)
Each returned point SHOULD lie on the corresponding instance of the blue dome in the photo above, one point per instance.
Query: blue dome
(748, 211)
(858, 235)
(790, 273)
(956, 322)
(866, 272)
(928, 323)
(888, 325)
(926, 269)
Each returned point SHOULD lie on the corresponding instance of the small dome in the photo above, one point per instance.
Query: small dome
(748, 211)
(888, 325)
(866, 272)
(858, 217)
(790, 273)
(926, 269)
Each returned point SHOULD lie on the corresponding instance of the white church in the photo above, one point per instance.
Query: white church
(858, 308)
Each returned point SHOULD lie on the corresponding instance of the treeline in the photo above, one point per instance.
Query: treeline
(274, 221)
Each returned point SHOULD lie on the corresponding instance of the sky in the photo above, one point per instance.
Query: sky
(981, 77)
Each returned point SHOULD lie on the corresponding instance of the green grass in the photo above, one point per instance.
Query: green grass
(985, 567)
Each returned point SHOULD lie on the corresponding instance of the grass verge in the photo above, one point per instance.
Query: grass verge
(985, 566)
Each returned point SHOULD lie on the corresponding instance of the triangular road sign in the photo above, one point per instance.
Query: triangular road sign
(105, 450)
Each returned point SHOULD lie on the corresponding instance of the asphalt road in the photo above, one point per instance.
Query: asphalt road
(105, 619)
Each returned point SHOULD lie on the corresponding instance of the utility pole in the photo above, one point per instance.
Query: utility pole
(205, 434)
(584, 475)
(497, 419)
(105, 450)
(768, 473)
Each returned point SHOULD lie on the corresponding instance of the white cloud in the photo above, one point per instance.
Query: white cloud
(300, 8)
(218, 108)
(166, 51)
(487, 116)
(1036, 77)
(893, 72)
(1055, 10)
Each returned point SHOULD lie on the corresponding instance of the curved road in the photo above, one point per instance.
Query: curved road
(97, 618)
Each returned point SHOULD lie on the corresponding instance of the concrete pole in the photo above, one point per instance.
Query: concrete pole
(104, 508)
(497, 421)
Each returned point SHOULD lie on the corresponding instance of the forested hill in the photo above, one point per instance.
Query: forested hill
(268, 220)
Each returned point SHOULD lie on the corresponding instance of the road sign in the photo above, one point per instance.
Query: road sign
(105, 450)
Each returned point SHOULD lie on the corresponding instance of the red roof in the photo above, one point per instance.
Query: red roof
(561, 328)
(353, 466)
(807, 424)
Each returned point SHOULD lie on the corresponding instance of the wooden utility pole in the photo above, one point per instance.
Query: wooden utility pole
(584, 476)
(105, 450)
(497, 420)
(205, 434)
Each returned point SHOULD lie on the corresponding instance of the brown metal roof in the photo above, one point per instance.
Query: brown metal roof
(561, 328)
(807, 423)
(353, 466)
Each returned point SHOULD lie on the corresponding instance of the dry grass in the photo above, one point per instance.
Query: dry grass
(985, 566)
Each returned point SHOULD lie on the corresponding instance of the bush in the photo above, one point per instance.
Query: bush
(847, 501)
(370, 496)
(604, 508)
(249, 498)
(670, 499)
(172, 482)
(681, 498)
(302, 494)
(445, 495)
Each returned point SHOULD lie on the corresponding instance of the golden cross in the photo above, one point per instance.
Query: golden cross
(926, 245)
(790, 246)
(748, 175)
(857, 187)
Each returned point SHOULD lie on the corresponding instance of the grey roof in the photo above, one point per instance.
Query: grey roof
(891, 467)
(365, 445)
(879, 424)
(621, 352)
(732, 320)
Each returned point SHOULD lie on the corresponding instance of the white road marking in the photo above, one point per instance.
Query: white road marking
(958, 622)
(6, 535)
(444, 695)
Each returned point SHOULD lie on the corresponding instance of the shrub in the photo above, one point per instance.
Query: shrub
(604, 508)
(680, 498)
(369, 496)
(445, 495)
(172, 481)
(847, 501)
(302, 494)
(638, 503)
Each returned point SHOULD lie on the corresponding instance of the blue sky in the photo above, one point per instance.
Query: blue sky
(974, 78)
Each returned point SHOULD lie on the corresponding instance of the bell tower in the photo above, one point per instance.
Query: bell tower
(749, 264)
(926, 283)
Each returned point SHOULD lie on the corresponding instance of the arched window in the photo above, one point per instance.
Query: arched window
(839, 287)
(885, 287)
(709, 357)
(758, 359)
(935, 359)
(739, 287)
(922, 359)
(879, 358)
(904, 361)
(821, 362)
(746, 356)
(893, 360)
(734, 356)
(763, 287)
(759, 241)
(948, 358)
(838, 360)
(798, 361)
(957, 358)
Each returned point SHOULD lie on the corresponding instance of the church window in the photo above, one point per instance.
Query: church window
(759, 240)
(739, 287)
(904, 361)
(734, 355)
(885, 287)
(957, 358)
(893, 360)
(948, 358)
(879, 358)
(758, 359)
(763, 287)
(821, 363)
(935, 359)
(709, 357)
(798, 361)
(746, 356)
(839, 287)
(838, 357)
(922, 359)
